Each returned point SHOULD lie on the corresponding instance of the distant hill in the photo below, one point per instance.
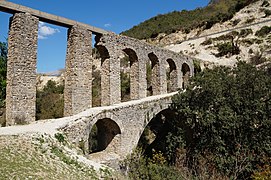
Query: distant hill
(216, 11)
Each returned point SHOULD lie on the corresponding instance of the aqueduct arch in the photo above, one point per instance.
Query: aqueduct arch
(105, 130)
(172, 84)
(134, 73)
(155, 74)
(154, 135)
(186, 73)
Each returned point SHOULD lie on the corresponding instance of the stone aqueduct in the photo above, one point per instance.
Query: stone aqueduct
(125, 122)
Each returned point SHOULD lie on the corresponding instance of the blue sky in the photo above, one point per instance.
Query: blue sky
(112, 15)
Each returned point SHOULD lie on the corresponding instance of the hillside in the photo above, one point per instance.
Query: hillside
(186, 21)
(246, 37)
(243, 33)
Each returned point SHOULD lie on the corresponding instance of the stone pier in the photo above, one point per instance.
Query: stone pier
(110, 79)
(78, 77)
(21, 69)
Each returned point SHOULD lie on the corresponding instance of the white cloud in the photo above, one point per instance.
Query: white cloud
(107, 25)
(45, 31)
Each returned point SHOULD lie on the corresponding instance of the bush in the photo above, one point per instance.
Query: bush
(207, 42)
(227, 48)
(197, 68)
(236, 21)
(264, 31)
(267, 13)
(60, 137)
(265, 3)
(245, 32)
(250, 20)
(257, 58)
(224, 119)
(137, 167)
(50, 101)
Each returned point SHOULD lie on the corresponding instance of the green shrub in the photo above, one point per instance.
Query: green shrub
(245, 32)
(248, 42)
(257, 58)
(207, 42)
(264, 31)
(227, 48)
(267, 13)
(236, 21)
(265, 3)
(224, 119)
(137, 167)
(63, 157)
(50, 101)
(197, 68)
(250, 20)
(60, 137)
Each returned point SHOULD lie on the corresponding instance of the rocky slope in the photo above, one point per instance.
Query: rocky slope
(242, 30)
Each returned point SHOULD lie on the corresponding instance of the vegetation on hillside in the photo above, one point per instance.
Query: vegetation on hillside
(220, 128)
(50, 101)
(185, 20)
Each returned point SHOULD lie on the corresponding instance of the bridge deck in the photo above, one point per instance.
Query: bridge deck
(51, 126)
(12, 8)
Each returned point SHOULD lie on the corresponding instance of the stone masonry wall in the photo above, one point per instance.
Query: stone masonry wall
(78, 77)
(131, 118)
(115, 45)
(21, 69)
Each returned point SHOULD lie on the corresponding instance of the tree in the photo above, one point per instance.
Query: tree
(3, 72)
(50, 101)
(224, 120)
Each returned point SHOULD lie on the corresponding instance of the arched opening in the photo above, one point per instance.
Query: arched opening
(171, 76)
(102, 92)
(100, 55)
(153, 75)
(129, 75)
(155, 135)
(186, 75)
(101, 135)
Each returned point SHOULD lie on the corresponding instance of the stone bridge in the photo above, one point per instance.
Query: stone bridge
(119, 124)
